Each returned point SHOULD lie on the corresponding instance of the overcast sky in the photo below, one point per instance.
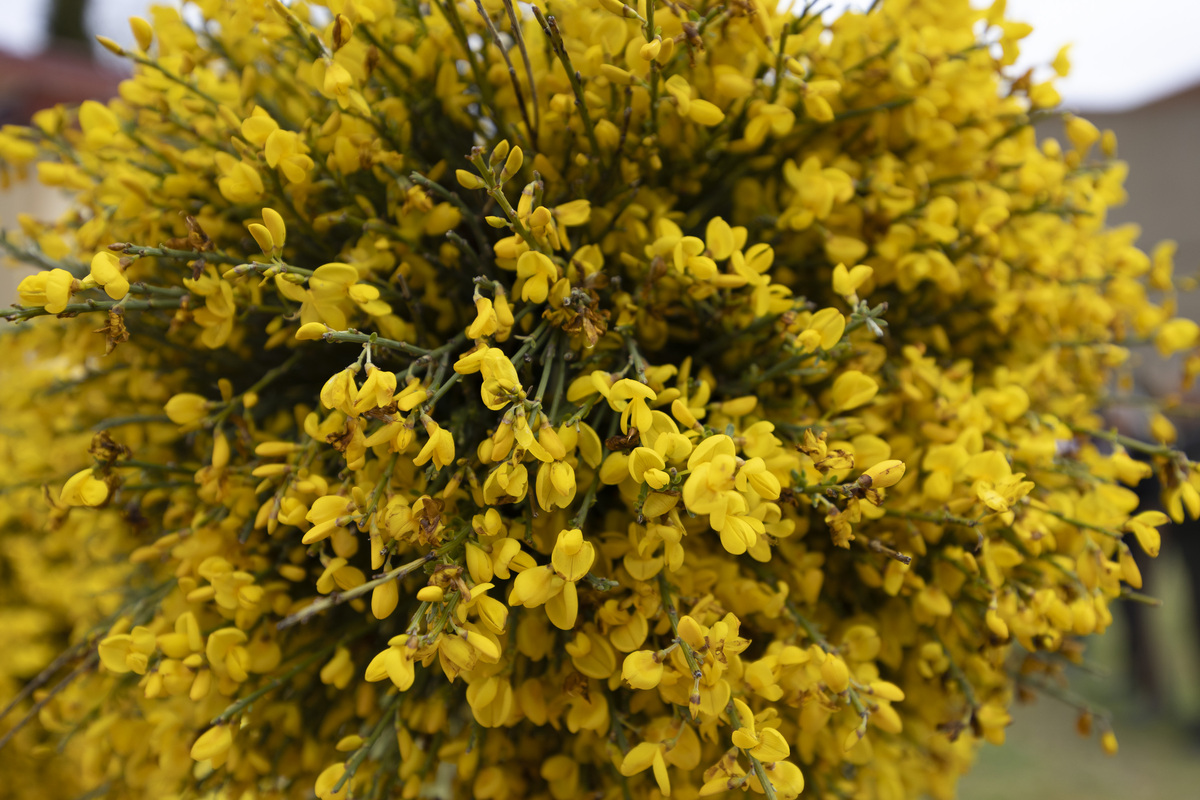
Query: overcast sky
(1125, 53)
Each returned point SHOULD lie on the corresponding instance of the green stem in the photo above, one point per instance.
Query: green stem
(635, 357)
(472, 217)
(35, 256)
(171, 76)
(1078, 523)
(135, 464)
(548, 360)
(1127, 442)
(354, 337)
(360, 755)
(166, 291)
(133, 419)
(19, 313)
(512, 72)
(266, 380)
(926, 516)
(275, 683)
(664, 588)
(441, 391)
(337, 599)
(589, 500)
(959, 676)
(550, 26)
(380, 488)
(759, 770)
(211, 256)
(519, 37)
(402, 571)
(88, 664)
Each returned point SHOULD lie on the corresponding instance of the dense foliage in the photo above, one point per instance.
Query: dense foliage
(570, 400)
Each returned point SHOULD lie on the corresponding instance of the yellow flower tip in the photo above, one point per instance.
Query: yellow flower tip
(430, 594)
(84, 489)
(384, 599)
(650, 50)
(1108, 742)
(616, 75)
(835, 674)
(330, 777)
(469, 180)
(107, 271)
(276, 226)
(642, 669)
(705, 113)
(886, 691)
(213, 743)
(1062, 61)
(1176, 336)
(311, 331)
(263, 237)
(620, 9)
(854, 737)
(884, 474)
(512, 164)
(1081, 133)
(349, 743)
(142, 32)
(342, 30)
(187, 409)
(111, 46)
(846, 282)
(851, 390)
(1162, 428)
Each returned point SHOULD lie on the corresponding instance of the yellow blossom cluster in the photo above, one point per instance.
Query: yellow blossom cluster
(493, 400)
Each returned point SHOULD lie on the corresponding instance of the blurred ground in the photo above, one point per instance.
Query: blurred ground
(1159, 758)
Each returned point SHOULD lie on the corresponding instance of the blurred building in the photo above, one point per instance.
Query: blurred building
(1160, 142)
(57, 75)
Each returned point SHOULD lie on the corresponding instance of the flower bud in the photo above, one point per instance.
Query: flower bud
(882, 475)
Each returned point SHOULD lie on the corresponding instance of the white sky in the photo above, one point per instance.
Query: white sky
(1125, 53)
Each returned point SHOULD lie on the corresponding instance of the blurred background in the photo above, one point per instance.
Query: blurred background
(1136, 70)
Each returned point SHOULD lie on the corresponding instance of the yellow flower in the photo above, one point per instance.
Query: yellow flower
(330, 777)
(240, 182)
(213, 743)
(767, 745)
(439, 447)
(50, 289)
(852, 389)
(642, 669)
(573, 555)
(1177, 335)
(647, 755)
(340, 392)
(846, 282)
(643, 298)
(84, 489)
(106, 271)
(538, 272)
(127, 652)
(377, 390)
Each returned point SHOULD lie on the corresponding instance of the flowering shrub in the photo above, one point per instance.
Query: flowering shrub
(577, 399)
